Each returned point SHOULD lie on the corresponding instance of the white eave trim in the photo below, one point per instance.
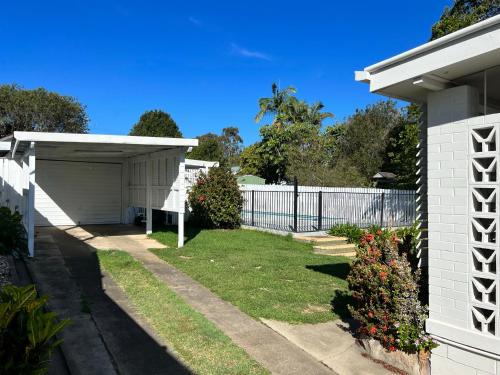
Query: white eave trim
(435, 44)
(104, 139)
(362, 76)
(201, 163)
(5, 146)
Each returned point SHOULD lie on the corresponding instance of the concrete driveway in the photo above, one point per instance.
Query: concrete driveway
(107, 336)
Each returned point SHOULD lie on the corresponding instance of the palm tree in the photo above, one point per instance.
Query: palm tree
(275, 105)
(313, 114)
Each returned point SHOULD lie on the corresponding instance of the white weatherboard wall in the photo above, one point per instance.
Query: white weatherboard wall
(165, 180)
(463, 153)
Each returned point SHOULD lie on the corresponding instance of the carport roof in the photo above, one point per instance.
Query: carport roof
(93, 145)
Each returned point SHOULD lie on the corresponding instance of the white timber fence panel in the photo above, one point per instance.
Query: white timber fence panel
(313, 208)
(14, 186)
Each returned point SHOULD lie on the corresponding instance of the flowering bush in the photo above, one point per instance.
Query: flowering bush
(385, 293)
(216, 200)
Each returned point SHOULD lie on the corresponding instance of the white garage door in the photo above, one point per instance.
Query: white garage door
(72, 193)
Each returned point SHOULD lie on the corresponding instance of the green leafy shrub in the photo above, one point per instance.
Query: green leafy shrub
(12, 232)
(385, 294)
(351, 231)
(216, 200)
(26, 331)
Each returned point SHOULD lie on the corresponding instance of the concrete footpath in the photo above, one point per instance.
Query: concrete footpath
(266, 346)
(330, 343)
(83, 348)
(106, 336)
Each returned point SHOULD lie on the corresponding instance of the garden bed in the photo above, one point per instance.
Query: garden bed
(5, 272)
(411, 364)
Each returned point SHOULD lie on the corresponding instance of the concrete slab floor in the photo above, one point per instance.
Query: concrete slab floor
(132, 344)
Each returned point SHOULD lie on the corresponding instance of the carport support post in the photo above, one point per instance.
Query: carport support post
(31, 200)
(149, 197)
(182, 200)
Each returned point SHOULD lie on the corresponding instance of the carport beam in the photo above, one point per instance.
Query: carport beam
(31, 200)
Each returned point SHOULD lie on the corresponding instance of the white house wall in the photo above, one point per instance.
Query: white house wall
(463, 215)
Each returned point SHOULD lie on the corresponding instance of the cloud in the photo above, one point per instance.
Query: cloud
(195, 21)
(241, 51)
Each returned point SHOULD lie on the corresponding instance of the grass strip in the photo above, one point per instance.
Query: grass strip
(200, 344)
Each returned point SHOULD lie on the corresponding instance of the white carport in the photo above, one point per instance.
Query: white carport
(76, 179)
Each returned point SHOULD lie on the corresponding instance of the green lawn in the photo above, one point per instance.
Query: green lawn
(265, 275)
(199, 342)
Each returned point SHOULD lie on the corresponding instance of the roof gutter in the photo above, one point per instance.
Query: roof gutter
(434, 44)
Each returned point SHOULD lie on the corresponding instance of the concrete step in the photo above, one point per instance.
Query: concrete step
(343, 246)
(348, 250)
(345, 253)
(331, 240)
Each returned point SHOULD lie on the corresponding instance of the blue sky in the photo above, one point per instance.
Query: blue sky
(204, 62)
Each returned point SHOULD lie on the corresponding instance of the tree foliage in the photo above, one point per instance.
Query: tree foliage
(401, 151)
(156, 123)
(224, 148)
(464, 13)
(231, 144)
(39, 110)
(365, 138)
(209, 148)
(294, 129)
(380, 137)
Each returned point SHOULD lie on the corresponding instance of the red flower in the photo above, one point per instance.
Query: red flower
(379, 232)
(202, 198)
(392, 348)
(383, 275)
(369, 237)
(384, 328)
(370, 314)
(373, 330)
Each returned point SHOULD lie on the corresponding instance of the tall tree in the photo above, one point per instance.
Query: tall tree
(401, 152)
(156, 123)
(39, 110)
(293, 124)
(364, 142)
(276, 104)
(209, 149)
(464, 13)
(231, 144)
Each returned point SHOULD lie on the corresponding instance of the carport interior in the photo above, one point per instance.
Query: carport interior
(76, 179)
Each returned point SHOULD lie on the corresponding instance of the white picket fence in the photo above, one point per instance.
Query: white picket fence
(319, 208)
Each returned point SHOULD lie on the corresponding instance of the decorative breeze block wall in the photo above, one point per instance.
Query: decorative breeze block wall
(484, 225)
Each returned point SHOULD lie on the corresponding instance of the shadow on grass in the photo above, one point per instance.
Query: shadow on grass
(341, 299)
(339, 270)
(190, 231)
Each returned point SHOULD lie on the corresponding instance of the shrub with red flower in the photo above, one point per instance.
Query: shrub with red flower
(385, 292)
(215, 200)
